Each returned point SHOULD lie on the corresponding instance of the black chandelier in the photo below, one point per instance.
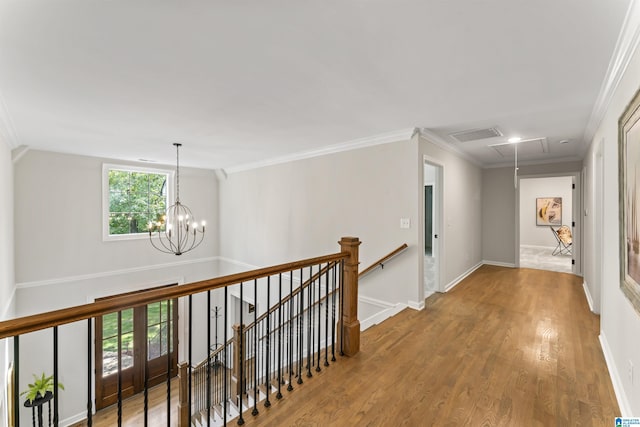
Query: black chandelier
(177, 232)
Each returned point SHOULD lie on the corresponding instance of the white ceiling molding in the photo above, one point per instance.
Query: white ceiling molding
(18, 152)
(385, 138)
(7, 130)
(626, 45)
(442, 143)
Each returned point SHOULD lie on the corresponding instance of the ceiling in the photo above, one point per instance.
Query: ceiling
(242, 82)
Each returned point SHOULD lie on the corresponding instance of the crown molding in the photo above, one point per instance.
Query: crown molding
(626, 45)
(440, 142)
(7, 130)
(18, 152)
(385, 138)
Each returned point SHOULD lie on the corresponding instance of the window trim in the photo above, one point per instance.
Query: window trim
(106, 167)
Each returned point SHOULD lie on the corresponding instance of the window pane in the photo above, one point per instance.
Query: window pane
(127, 350)
(157, 184)
(109, 325)
(109, 356)
(154, 342)
(127, 321)
(139, 182)
(118, 180)
(153, 313)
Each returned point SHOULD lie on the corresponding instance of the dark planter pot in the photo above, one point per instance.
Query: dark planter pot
(37, 404)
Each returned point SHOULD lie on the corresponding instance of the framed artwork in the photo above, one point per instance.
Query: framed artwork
(549, 211)
(629, 200)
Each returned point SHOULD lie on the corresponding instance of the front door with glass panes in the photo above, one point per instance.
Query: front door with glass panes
(145, 339)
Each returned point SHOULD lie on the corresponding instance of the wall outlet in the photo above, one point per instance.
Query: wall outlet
(630, 372)
(405, 223)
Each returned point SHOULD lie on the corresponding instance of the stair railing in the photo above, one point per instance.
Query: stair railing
(302, 334)
(380, 263)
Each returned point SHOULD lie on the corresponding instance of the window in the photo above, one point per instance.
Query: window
(133, 197)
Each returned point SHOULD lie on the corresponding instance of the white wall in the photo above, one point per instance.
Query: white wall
(62, 261)
(620, 323)
(301, 209)
(532, 188)
(499, 220)
(461, 225)
(6, 263)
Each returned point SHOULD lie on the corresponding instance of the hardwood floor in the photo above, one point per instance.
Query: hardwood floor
(133, 409)
(506, 347)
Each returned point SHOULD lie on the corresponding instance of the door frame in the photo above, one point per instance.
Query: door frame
(576, 207)
(438, 216)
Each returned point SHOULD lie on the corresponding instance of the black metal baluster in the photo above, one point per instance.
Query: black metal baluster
(300, 328)
(333, 313)
(319, 310)
(89, 375)
(226, 361)
(208, 392)
(326, 315)
(255, 348)
(267, 379)
(55, 379)
(241, 357)
(146, 365)
(169, 348)
(190, 351)
(341, 330)
(309, 322)
(280, 326)
(16, 379)
(119, 368)
(291, 299)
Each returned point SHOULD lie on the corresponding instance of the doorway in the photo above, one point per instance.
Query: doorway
(432, 183)
(547, 203)
(145, 340)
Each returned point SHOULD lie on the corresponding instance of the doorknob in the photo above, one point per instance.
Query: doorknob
(435, 236)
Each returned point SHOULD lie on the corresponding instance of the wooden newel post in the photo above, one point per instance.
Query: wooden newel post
(238, 359)
(183, 395)
(350, 323)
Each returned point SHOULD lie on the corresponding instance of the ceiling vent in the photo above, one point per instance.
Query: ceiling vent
(475, 134)
(526, 147)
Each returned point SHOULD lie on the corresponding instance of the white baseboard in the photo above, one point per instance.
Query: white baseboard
(499, 263)
(419, 306)
(388, 310)
(74, 419)
(551, 248)
(460, 278)
(623, 402)
(588, 295)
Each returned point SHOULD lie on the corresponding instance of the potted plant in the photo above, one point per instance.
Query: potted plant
(39, 393)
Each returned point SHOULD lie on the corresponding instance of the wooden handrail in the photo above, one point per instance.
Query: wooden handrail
(23, 325)
(381, 261)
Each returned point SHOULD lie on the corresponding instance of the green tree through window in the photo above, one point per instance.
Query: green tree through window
(135, 199)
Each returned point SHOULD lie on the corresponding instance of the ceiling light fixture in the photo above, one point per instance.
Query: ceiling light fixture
(176, 233)
(514, 139)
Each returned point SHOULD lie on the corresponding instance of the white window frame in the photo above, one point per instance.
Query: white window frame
(106, 167)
